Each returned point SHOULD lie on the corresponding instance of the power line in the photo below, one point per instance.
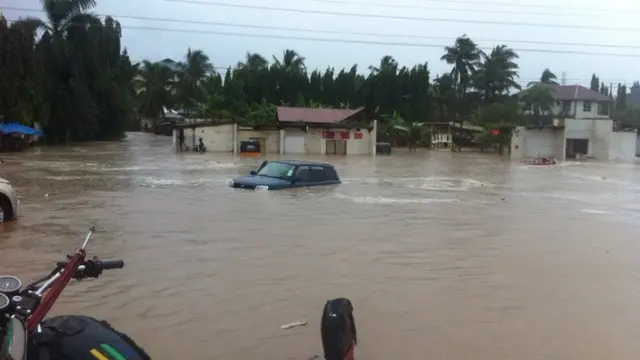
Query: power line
(398, 17)
(264, 27)
(367, 42)
(483, 3)
(512, 12)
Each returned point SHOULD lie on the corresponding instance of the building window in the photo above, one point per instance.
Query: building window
(586, 106)
(603, 108)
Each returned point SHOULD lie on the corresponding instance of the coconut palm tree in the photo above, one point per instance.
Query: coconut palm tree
(547, 77)
(292, 63)
(62, 15)
(153, 85)
(465, 57)
(288, 75)
(497, 74)
(191, 72)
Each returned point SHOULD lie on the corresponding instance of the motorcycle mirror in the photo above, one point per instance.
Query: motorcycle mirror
(86, 239)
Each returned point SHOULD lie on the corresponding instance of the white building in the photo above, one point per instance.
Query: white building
(298, 131)
(579, 124)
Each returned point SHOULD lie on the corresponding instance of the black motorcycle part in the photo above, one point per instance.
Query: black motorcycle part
(338, 329)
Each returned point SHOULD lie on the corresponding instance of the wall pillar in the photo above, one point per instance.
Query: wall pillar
(234, 136)
(281, 141)
(373, 138)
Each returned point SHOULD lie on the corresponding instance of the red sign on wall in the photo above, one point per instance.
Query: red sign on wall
(495, 132)
(357, 136)
(345, 135)
(328, 135)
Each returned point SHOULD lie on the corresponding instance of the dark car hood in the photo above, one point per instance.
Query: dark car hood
(251, 181)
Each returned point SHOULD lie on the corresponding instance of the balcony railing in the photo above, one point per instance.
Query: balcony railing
(538, 121)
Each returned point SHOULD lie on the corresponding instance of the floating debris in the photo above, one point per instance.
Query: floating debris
(293, 324)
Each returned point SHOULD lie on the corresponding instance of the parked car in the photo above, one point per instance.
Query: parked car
(285, 174)
(9, 203)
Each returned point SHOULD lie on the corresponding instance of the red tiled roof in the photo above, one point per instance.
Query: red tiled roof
(314, 115)
(575, 92)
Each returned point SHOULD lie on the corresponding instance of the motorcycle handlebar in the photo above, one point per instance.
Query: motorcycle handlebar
(94, 267)
(108, 264)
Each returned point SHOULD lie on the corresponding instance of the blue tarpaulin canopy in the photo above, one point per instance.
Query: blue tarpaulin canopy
(19, 129)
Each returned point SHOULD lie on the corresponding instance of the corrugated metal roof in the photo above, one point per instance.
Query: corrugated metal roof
(314, 115)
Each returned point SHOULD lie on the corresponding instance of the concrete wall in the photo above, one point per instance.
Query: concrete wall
(604, 143)
(315, 144)
(600, 141)
(578, 128)
(597, 131)
(560, 144)
(531, 143)
(623, 146)
(226, 138)
(216, 138)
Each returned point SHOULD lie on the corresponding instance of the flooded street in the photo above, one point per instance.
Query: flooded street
(445, 256)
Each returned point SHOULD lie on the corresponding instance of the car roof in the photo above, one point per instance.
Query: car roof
(302, 162)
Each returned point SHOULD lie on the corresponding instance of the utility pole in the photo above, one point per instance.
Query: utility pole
(563, 80)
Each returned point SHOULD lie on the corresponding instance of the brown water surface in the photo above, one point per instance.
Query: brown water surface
(437, 263)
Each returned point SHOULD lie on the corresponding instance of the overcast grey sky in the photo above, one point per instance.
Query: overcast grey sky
(226, 50)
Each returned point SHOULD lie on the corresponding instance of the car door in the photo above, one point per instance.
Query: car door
(318, 176)
(302, 176)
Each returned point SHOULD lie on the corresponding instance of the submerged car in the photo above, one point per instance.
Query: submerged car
(285, 174)
(9, 202)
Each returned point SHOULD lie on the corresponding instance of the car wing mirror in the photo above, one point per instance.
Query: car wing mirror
(253, 172)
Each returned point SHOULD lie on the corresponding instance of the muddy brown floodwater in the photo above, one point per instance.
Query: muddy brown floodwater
(437, 263)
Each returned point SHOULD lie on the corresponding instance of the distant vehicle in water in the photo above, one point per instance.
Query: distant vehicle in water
(383, 148)
(9, 202)
(250, 148)
(286, 174)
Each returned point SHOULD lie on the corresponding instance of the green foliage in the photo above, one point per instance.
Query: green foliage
(79, 84)
(74, 80)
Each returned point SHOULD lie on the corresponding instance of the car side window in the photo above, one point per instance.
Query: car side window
(318, 174)
(330, 173)
(303, 174)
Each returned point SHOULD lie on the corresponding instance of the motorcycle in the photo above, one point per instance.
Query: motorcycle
(25, 334)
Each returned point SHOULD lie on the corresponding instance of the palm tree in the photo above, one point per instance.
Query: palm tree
(63, 14)
(388, 65)
(465, 57)
(540, 99)
(498, 73)
(288, 74)
(153, 85)
(547, 77)
(254, 74)
(192, 72)
(253, 63)
(292, 63)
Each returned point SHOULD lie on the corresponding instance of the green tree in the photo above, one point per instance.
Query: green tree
(497, 74)
(547, 77)
(195, 68)
(595, 83)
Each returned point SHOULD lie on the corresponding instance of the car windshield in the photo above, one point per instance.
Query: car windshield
(277, 170)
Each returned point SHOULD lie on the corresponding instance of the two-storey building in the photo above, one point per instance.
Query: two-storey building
(578, 124)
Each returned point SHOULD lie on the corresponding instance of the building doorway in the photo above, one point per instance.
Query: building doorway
(576, 147)
(336, 147)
